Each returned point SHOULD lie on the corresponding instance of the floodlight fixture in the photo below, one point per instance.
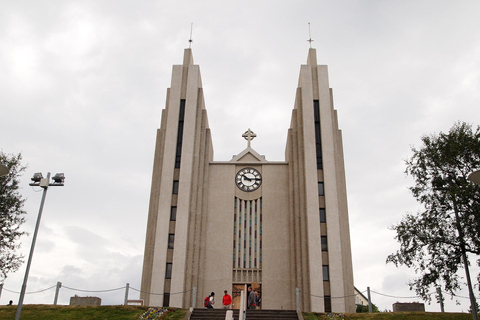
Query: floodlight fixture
(3, 170)
(37, 177)
(474, 177)
(58, 179)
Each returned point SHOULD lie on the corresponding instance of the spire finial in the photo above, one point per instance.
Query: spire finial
(249, 135)
(310, 36)
(190, 40)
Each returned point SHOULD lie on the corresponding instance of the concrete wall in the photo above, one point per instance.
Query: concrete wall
(408, 307)
(85, 301)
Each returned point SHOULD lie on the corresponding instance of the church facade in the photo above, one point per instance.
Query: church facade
(281, 227)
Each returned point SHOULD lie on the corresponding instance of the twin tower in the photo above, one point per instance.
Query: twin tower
(280, 227)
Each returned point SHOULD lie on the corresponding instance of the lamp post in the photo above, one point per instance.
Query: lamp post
(3, 170)
(38, 180)
(474, 177)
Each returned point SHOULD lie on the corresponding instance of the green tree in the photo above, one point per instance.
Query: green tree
(435, 241)
(364, 309)
(11, 214)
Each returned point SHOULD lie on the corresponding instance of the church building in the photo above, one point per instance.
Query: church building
(283, 225)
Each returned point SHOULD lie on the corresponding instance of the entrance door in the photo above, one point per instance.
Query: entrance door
(236, 295)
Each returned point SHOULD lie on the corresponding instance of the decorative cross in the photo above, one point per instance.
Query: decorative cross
(249, 135)
(190, 40)
(310, 35)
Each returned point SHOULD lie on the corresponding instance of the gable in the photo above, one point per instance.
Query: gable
(248, 156)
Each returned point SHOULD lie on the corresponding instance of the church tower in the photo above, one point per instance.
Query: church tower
(280, 227)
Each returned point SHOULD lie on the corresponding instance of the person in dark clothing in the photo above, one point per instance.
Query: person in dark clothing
(251, 300)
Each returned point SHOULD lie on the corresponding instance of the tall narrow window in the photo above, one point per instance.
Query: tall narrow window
(181, 117)
(324, 243)
(321, 189)
(173, 213)
(326, 273)
(318, 136)
(171, 240)
(175, 187)
(328, 303)
(166, 299)
(323, 215)
(168, 271)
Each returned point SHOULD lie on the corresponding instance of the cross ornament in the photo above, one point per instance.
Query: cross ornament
(249, 135)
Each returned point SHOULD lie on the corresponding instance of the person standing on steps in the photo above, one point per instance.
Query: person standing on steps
(251, 300)
(210, 301)
(227, 300)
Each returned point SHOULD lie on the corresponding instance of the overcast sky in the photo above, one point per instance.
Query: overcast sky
(82, 86)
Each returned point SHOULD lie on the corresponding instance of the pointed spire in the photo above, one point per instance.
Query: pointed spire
(312, 57)
(187, 57)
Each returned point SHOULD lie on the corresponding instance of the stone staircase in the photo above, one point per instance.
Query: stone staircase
(211, 314)
(219, 314)
(271, 314)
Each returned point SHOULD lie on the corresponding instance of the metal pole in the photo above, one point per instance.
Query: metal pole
(473, 302)
(1, 288)
(194, 297)
(297, 294)
(24, 285)
(59, 285)
(440, 298)
(125, 302)
(369, 300)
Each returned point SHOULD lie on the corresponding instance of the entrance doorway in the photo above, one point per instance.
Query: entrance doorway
(236, 294)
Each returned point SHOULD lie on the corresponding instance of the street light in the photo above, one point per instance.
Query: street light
(474, 177)
(39, 181)
(3, 170)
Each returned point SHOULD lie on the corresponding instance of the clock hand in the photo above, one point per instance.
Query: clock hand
(251, 179)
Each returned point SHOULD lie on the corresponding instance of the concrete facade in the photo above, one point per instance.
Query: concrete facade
(205, 233)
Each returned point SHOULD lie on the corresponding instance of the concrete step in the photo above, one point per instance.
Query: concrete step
(219, 314)
(271, 314)
(211, 314)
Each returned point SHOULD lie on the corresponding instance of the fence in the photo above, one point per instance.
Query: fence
(127, 289)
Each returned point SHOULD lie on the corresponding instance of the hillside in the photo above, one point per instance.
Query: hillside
(50, 312)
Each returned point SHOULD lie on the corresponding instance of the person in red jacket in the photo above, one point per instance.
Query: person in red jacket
(227, 300)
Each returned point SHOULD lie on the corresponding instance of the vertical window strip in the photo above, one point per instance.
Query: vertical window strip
(168, 271)
(239, 232)
(324, 243)
(247, 244)
(181, 118)
(323, 215)
(257, 209)
(260, 236)
(244, 244)
(318, 135)
(326, 273)
(252, 231)
(234, 231)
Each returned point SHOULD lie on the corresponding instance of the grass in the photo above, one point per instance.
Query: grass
(50, 312)
(390, 316)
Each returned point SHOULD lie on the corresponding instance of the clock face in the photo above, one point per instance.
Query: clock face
(248, 179)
